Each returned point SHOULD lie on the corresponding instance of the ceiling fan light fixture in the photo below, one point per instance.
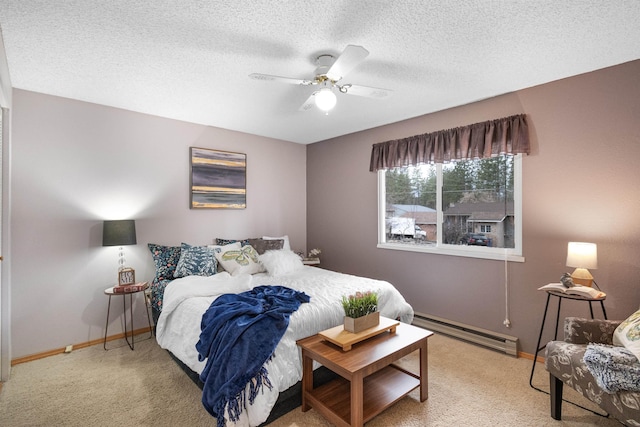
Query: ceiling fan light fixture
(325, 99)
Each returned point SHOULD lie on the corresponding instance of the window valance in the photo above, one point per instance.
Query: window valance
(509, 135)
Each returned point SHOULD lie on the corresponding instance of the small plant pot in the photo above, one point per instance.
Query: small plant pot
(359, 324)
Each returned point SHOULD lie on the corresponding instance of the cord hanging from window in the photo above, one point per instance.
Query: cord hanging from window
(507, 321)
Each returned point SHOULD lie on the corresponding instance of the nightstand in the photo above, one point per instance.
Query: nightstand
(560, 297)
(124, 291)
(311, 261)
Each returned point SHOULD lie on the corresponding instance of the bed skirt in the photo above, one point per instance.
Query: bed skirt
(287, 401)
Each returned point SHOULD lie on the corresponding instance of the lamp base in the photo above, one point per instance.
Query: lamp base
(582, 277)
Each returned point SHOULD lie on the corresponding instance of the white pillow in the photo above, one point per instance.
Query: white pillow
(286, 246)
(243, 260)
(223, 248)
(627, 334)
(281, 262)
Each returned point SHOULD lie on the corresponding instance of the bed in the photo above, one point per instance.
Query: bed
(179, 303)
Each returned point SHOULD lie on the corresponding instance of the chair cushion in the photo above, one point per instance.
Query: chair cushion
(565, 361)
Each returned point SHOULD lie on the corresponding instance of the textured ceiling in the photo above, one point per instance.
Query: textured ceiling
(190, 60)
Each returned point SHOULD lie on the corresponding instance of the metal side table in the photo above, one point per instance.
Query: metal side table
(560, 297)
(112, 292)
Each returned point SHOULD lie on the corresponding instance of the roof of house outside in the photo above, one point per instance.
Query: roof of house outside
(487, 217)
(411, 208)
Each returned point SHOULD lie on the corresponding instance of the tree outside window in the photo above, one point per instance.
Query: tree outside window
(451, 202)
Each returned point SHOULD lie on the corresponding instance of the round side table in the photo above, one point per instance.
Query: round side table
(127, 290)
(560, 297)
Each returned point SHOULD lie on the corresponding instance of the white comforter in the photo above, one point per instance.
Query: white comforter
(186, 299)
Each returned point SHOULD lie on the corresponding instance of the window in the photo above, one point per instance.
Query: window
(468, 208)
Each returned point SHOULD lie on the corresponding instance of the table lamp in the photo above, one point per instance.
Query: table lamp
(582, 256)
(119, 233)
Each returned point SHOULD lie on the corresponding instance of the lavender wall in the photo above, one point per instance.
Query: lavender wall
(75, 164)
(580, 183)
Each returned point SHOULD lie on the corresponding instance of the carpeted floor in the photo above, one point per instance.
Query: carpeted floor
(468, 386)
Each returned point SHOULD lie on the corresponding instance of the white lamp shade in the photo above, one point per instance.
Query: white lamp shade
(325, 99)
(582, 255)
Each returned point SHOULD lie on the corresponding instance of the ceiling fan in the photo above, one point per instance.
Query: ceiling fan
(327, 77)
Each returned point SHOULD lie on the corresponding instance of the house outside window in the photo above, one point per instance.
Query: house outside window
(438, 208)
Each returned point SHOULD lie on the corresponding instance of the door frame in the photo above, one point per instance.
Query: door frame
(5, 224)
(5, 270)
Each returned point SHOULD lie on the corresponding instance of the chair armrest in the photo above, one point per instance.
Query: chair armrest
(578, 330)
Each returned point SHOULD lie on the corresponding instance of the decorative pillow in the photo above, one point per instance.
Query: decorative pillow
(281, 262)
(240, 260)
(223, 248)
(166, 259)
(262, 245)
(157, 294)
(286, 246)
(628, 334)
(196, 261)
(224, 242)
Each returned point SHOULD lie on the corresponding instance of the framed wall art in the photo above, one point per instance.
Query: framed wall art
(218, 179)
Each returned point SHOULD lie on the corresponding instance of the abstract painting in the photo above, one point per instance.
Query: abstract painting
(218, 179)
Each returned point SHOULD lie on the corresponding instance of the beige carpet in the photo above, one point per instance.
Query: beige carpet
(468, 386)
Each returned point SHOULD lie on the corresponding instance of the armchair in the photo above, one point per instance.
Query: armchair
(564, 361)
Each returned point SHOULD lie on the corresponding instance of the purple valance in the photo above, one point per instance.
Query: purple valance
(509, 135)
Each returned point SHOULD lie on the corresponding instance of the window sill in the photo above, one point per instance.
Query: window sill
(453, 250)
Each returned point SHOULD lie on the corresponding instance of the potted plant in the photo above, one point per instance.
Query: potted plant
(314, 253)
(360, 311)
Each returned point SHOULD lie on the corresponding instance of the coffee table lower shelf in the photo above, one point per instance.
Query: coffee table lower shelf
(383, 389)
(369, 380)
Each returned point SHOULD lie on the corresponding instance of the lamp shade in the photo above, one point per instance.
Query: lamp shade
(325, 99)
(119, 233)
(582, 255)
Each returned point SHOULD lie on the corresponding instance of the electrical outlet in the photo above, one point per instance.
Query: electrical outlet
(68, 349)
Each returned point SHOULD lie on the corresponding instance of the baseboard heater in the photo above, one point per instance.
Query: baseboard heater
(483, 337)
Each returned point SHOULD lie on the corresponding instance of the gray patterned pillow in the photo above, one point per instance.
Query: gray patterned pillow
(196, 261)
(261, 245)
(224, 242)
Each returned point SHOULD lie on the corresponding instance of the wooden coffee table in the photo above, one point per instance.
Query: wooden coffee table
(367, 366)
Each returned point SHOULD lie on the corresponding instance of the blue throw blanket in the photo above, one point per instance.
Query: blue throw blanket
(239, 333)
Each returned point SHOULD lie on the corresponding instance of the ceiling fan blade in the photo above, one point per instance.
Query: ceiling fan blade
(347, 61)
(366, 91)
(309, 103)
(269, 78)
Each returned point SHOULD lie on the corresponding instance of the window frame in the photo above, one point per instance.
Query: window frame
(509, 254)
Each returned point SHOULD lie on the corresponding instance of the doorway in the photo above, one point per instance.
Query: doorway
(5, 311)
